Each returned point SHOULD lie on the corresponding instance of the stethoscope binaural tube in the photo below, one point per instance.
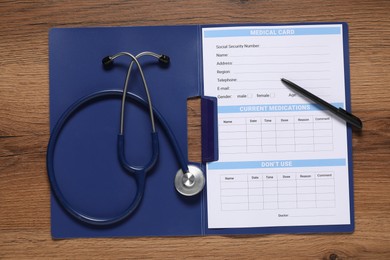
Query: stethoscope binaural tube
(107, 62)
(164, 59)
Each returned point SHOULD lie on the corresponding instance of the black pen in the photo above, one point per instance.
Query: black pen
(346, 116)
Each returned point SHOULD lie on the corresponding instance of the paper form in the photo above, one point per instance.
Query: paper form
(282, 160)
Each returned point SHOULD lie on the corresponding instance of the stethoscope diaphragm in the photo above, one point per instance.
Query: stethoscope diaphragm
(191, 182)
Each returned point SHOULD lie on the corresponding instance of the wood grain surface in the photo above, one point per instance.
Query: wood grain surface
(24, 127)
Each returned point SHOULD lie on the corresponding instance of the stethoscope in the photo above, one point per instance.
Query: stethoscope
(189, 179)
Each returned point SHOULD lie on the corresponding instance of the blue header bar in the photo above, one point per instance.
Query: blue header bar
(276, 164)
(272, 31)
(273, 108)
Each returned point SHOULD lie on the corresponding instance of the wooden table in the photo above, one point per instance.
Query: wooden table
(24, 127)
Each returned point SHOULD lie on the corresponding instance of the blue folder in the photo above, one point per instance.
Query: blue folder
(86, 164)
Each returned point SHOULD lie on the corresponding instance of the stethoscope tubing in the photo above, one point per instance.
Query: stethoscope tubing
(140, 174)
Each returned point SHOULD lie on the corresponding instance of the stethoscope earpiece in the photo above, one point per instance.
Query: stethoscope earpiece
(107, 62)
(164, 59)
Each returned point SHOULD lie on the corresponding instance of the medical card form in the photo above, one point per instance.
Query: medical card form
(283, 161)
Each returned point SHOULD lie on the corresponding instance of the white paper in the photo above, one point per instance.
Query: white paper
(282, 160)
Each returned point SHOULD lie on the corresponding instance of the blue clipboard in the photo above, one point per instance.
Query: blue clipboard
(86, 164)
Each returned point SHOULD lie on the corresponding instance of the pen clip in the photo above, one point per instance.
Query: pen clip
(353, 120)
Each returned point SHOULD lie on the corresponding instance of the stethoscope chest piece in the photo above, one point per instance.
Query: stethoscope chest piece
(191, 182)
